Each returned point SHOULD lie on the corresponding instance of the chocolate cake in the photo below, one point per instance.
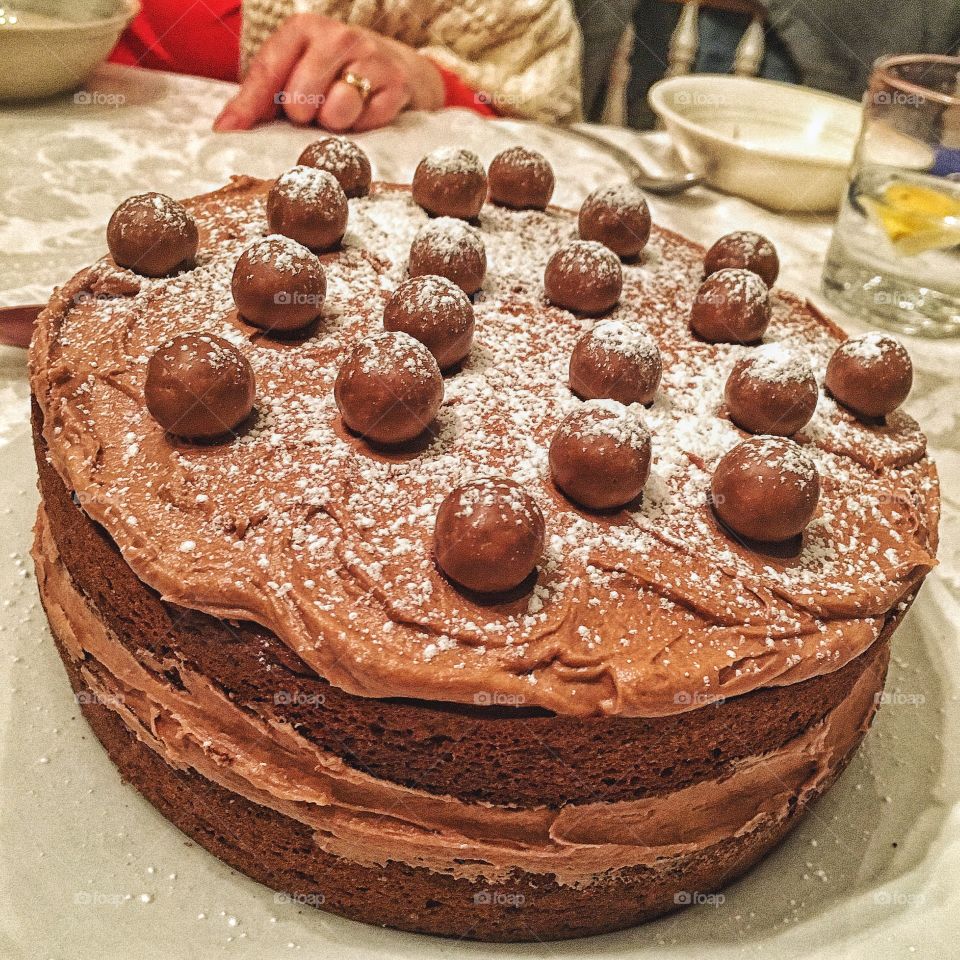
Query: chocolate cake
(455, 684)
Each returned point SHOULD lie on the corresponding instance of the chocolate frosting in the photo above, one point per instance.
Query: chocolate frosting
(371, 821)
(305, 529)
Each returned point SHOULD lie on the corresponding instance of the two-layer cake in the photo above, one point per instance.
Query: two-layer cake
(610, 675)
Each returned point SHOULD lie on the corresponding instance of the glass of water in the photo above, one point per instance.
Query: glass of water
(894, 259)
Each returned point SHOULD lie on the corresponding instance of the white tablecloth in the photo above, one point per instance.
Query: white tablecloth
(878, 860)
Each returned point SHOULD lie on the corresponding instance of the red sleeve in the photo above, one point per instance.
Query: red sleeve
(203, 39)
(456, 93)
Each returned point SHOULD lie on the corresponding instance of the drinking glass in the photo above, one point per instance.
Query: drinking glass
(894, 259)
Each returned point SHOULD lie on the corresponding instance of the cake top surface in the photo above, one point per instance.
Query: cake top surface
(302, 527)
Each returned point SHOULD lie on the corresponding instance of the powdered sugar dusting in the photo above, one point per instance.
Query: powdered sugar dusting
(779, 455)
(592, 258)
(597, 419)
(168, 210)
(453, 160)
(339, 153)
(491, 493)
(524, 158)
(386, 350)
(214, 354)
(308, 185)
(279, 251)
(776, 363)
(329, 543)
(872, 348)
(731, 283)
(449, 238)
(432, 293)
(629, 340)
(619, 196)
(752, 244)
(155, 208)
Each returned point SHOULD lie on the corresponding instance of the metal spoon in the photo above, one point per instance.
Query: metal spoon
(641, 177)
(16, 324)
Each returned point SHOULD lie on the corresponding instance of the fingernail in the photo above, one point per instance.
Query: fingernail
(226, 122)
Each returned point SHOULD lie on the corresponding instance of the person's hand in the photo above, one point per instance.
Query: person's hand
(301, 67)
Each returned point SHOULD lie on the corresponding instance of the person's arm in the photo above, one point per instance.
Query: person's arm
(527, 64)
(203, 40)
(301, 68)
(493, 57)
(458, 93)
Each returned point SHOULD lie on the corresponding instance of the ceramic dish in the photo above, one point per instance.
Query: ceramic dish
(50, 47)
(785, 147)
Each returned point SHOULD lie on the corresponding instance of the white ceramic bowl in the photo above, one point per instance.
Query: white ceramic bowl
(48, 46)
(783, 146)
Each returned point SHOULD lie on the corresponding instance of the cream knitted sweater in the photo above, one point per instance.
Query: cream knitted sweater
(525, 54)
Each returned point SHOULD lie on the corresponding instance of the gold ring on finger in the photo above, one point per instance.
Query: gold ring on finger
(359, 83)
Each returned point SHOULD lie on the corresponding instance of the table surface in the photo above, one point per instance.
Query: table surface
(84, 860)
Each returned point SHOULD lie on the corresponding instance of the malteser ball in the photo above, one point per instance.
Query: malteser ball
(766, 489)
(449, 248)
(583, 276)
(199, 387)
(521, 178)
(435, 311)
(744, 250)
(450, 182)
(389, 388)
(278, 284)
(771, 390)
(309, 206)
(152, 235)
(600, 455)
(616, 360)
(489, 535)
(618, 217)
(871, 374)
(731, 306)
(344, 159)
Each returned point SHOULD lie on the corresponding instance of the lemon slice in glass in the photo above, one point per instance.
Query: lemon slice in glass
(916, 218)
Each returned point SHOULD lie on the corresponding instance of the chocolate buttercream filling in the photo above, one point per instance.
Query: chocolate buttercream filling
(372, 821)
